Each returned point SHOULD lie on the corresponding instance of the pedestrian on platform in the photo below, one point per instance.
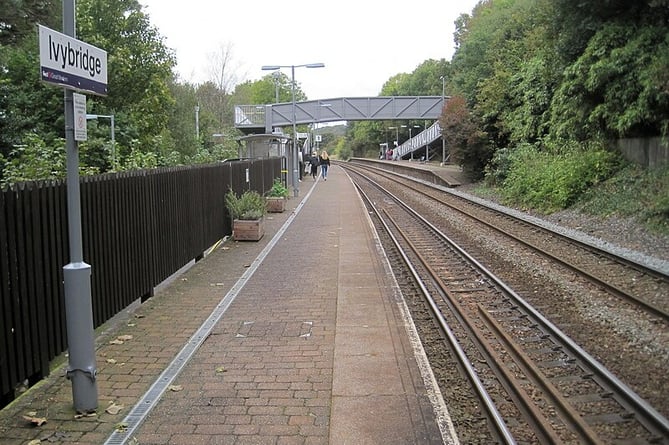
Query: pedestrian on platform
(324, 161)
(300, 160)
(313, 161)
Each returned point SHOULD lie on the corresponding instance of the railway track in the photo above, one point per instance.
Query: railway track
(624, 278)
(532, 383)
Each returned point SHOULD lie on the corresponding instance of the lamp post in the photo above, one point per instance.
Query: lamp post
(397, 135)
(294, 163)
(411, 127)
(276, 76)
(197, 123)
(397, 139)
(443, 103)
(113, 140)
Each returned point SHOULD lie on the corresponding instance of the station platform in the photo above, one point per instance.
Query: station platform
(299, 338)
(447, 175)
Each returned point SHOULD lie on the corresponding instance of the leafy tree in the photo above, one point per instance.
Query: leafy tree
(35, 159)
(139, 65)
(263, 91)
(467, 143)
(20, 16)
(500, 68)
(182, 119)
(27, 105)
(617, 87)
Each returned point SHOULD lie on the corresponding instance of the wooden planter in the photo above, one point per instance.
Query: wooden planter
(248, 230)
(276, 204)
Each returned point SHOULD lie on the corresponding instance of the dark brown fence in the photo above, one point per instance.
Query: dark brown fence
(138, 228)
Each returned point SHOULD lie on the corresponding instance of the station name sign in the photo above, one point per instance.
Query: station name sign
(71, 63)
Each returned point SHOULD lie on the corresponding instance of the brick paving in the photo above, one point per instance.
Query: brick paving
(313, 349)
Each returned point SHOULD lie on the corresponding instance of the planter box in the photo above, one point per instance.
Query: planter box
(248, 230)
(276, 205)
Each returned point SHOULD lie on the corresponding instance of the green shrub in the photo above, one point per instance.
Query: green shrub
(549, 181)
(278, 190)
(633, 192)
(250, 205)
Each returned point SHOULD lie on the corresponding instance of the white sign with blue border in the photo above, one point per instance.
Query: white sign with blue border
(71, 63)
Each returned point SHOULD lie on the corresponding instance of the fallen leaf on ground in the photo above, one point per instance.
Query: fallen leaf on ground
(37, 421)
(121, 427)
(175, 388)
(124, 337)
(34, 442)
(114, 408)
(116, 342)
(82, 415)
(111, 361)
(221, 369)
(139, 316)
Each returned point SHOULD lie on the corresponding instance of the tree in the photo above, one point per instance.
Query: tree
(140, 67)
(467, 143)
(223, 75)
(27, 105)
(617, 87)
(19, 18)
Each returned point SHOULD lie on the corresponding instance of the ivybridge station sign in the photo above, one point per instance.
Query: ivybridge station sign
(71, 63)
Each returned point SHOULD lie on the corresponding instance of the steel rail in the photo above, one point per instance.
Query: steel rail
(652, 420)
(498, 421)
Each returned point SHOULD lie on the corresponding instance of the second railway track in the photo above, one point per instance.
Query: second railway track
(548, 389)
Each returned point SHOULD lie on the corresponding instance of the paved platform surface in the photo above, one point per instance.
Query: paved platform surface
(448, 175)
(311, 346)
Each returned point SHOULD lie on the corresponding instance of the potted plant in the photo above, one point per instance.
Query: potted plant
(276, 197)
(247, 213)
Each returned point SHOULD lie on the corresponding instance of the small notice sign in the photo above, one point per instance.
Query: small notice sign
(79, 104)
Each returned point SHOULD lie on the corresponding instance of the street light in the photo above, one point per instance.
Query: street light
(276, 76)
(397, 135)
(294, 163)
(410, 128)
(113, 140)
(197, 122)
(443, 103)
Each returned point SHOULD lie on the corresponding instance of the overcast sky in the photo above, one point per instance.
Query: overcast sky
(361, 42)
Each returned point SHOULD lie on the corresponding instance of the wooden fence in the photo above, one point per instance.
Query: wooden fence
(138, 228)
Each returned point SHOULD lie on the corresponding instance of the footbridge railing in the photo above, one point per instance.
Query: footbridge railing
(422, 139)
(265, 117)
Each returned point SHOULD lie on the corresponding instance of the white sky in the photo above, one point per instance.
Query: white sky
(361, 42)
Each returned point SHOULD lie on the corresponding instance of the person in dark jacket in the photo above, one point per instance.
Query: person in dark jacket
(324, 161)
(313, 160)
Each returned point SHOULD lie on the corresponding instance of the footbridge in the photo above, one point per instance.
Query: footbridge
(263, 118)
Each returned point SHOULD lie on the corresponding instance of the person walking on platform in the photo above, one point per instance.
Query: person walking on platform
(324, 161)
(300, 160)
(313, 161)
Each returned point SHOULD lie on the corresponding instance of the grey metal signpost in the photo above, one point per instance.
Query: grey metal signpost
(77, 274)
(75, 65)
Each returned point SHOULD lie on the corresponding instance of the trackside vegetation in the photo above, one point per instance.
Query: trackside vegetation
(539, 92)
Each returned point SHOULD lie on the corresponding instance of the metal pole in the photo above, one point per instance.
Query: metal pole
(443, 103)
(276, 86)
(197, 122)
(427, 145)
(113, 141)
(296, 190)
(77, 274)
